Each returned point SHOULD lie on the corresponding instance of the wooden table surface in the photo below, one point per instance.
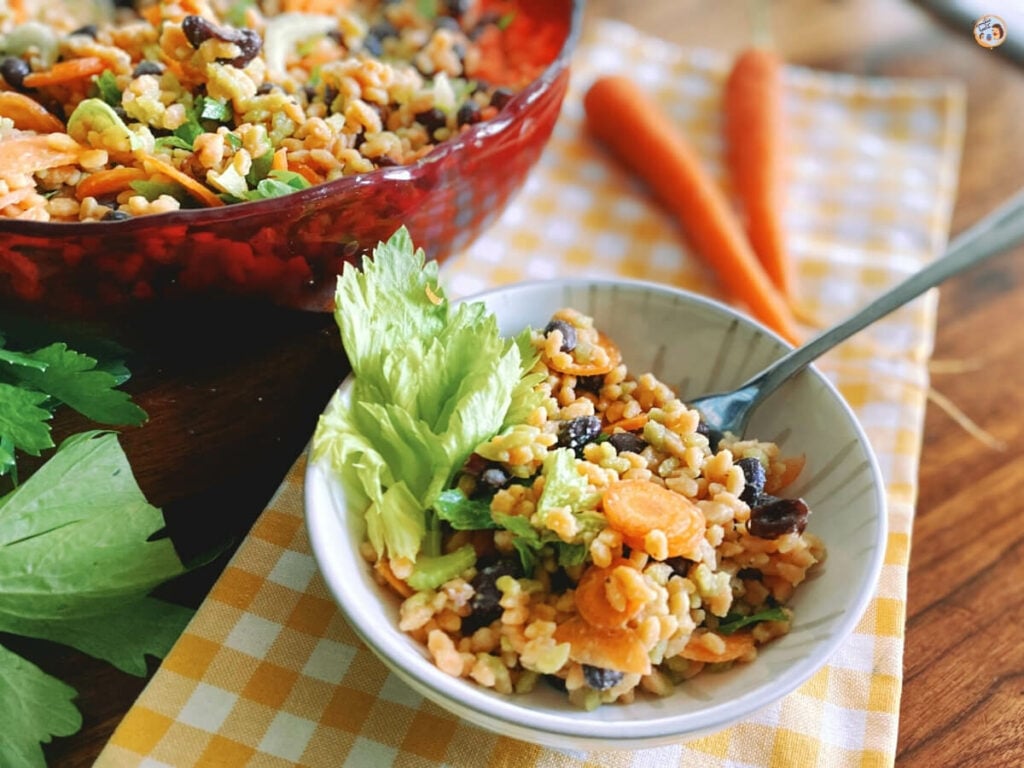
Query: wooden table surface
(233, 397)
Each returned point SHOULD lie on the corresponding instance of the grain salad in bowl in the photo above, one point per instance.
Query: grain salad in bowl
(538, 519)
(198, 103)
(196, 151)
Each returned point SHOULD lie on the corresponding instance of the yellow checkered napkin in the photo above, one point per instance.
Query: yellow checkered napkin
(269, 674)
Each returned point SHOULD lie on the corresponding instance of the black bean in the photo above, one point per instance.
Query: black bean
(576, 433)
(501, 97)
(568, 334)
(147, 67)
(89, 29)
(751, 574)
(485, 603)
(494, 478)
(383, 29)
(590, 383)
(753, 473)
(627, 441)
(601, 679)
(679, 565)
(13, 70)
(468, 114)
(198, 30)
(774, 517)
(265, 88)
(115, 215)
(432, 119)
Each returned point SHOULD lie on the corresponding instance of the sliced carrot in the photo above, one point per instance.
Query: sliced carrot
(305, 172)
(388, 576)
(592, 597)
(66, 72)
(640, 134)
(635, 508)
(108, 182)
(755, 156)
(280, 160)
(27, 114)
(736, 646)
(632, 424)
(609, 648)
(574, 368)
(37, 152)
(794, 466)
(193, 187)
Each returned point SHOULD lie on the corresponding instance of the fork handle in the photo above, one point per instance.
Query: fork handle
(1000, 230)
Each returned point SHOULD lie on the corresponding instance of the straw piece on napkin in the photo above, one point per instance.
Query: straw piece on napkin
(268, 673)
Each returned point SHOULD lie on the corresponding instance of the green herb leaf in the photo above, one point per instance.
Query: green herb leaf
(464, 514)
(234, 140)
(188, 132)
(151, 190)
(735, 622)
(291, 178)
(427, 8)
(214, 109)
(173, 142)
(34, 707)
(73, 379)
(106, 84)
(23, 420)
(236, 12)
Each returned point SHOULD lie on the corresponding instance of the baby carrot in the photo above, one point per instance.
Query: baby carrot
(755, 156)
(66, 71)
(640, 134)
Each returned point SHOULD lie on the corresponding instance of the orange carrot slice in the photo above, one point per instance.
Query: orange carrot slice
(606, 647)
(736, 646)
(642, 136)
(280, 160)
(755, 156)
(27, 113)
(632, 424)
(108, 182)
(575, 368)
(794, 466)
(37, 152)
(66, 72)
(388, 576)
(193, 187)
(634, 508)
(592, 597)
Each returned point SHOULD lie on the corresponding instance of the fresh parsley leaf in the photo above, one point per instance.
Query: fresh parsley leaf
(20, 358)
(291, 178)
(34, 707)
(23, 419)
(173, 142)
(106, 84)
(464, 514)
(735, 622)
(73, 379)
(188, 132)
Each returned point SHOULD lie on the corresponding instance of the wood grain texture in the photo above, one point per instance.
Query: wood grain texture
(232, 409)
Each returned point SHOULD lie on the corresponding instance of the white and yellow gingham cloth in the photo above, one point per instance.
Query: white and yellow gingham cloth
(269, 674)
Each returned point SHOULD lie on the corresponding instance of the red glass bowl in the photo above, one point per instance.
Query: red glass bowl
(289, 250)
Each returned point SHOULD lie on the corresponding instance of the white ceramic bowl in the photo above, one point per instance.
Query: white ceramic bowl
(697, 346)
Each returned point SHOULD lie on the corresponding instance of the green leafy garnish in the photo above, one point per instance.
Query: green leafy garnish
(106, 85)
(33, 382)
(734, 622)
(174, 142)
(213, 109)
(428, 9)
(236, 12)
(464, 514)
(151, 190)
(431, 382)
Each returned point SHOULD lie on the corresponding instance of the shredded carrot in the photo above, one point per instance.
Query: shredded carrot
(641, 135)
(636, 508)
(37, 152)
(27, 114)
(108, 182)
(736, 646)
(755, 156)
(280, 160)
(632, 424)
(794, 465)
(592, 599)
(388, 576)
(66, 72)
(618, 648)
(194, 188)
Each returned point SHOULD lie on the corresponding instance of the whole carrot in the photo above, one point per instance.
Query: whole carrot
(642, 136)
(755, 156)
